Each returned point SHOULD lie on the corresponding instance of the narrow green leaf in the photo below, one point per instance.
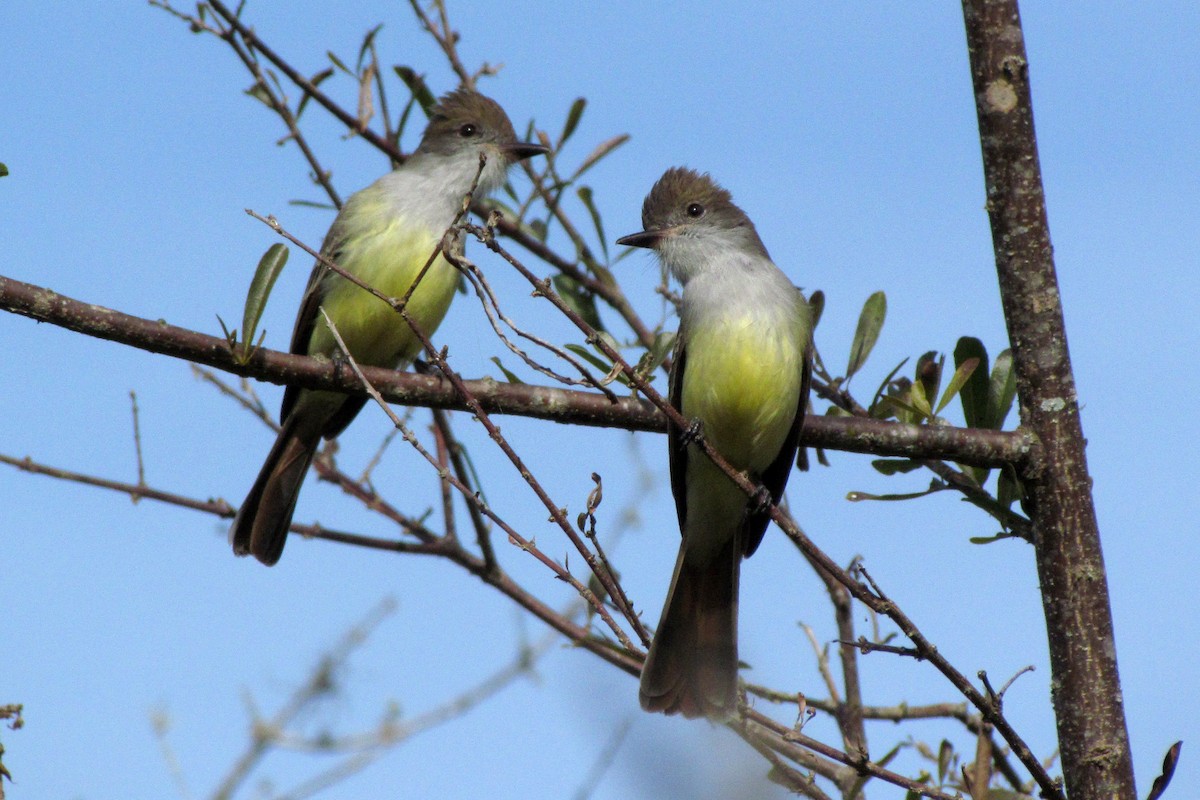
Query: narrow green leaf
(269, 267)
(654, 357)
(324, 206)
(1002, 389)
(945, 756)
(416, 84)
(959, 379)
(902, 405)
(988, 540)
(337, 62)
(579, 299)
(977, 474)
(602, 150)
(974, 393)
(573, 116)
(918, 400)
(315, 80)
(888, 756)
(870, 322)
(1168, 771)
(929, 375)
(895, 466)
(816, 303)
(368, 40)
(603, 275)
(260, 93)
(591, 358)
(883, 387)
(1008, 490)
(585, 195)
(508, 376)
(230, 336)
(858, 497)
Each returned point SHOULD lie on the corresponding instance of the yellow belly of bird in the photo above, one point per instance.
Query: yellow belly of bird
(389, 261)
(744, 387)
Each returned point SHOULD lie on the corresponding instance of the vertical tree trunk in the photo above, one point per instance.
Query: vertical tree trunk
(1086, 688)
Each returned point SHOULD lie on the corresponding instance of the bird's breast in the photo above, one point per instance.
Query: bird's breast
(742, 381)
(388, 256)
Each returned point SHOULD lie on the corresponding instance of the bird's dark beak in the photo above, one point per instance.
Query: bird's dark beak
(643, 239)
(518, 151)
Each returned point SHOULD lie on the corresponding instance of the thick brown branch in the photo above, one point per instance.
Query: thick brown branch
(1087, 691)
(968, 446)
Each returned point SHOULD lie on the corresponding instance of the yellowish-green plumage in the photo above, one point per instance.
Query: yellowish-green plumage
(384, 236)
(740, 375)
(388, 258)
(743, 381)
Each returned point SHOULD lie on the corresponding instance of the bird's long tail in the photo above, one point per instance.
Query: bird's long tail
(692, 665)
(261, 525)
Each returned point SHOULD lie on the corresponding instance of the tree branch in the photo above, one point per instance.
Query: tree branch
(1083, 661)
(965, 445)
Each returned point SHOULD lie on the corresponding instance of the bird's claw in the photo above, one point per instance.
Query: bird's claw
(692, 433)
(761, 501)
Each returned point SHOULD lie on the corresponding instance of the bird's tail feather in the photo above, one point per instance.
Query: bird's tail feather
(261, 525)
(692, 665)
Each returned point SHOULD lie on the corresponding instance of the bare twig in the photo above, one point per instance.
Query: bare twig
(319, 682)
(525, 544)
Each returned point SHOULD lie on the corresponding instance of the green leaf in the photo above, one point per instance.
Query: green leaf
(990, 539)
(510, 377)
(585, 195)
(816, 303)
(1002, 389)
(929, 376)
(883, 387)
(269, 267)
(654, 356)
(1008, 489)
(977, 474)
(959, 379)
(1168, 771)
(230, 336)
(858, 497)
(573, 116)
(870, 322)
(315, 80)
(3, 170)
(416, 84)
(337, 62)
(895, 466)
(944, 758)
(324, 206)
(537, 228)
(918, 400)
(368, 40)
(664, 342)
(261, 93)
(578, 299)
(602, 150)
(591, 358)
(974, 392)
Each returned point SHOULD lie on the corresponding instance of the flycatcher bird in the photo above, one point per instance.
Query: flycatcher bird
(384, 235)
(741, 374)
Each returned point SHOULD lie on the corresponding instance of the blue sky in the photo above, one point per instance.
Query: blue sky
(849, 137)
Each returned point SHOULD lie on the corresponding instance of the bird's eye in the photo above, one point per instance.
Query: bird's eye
(468, 130)
(695, 210)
